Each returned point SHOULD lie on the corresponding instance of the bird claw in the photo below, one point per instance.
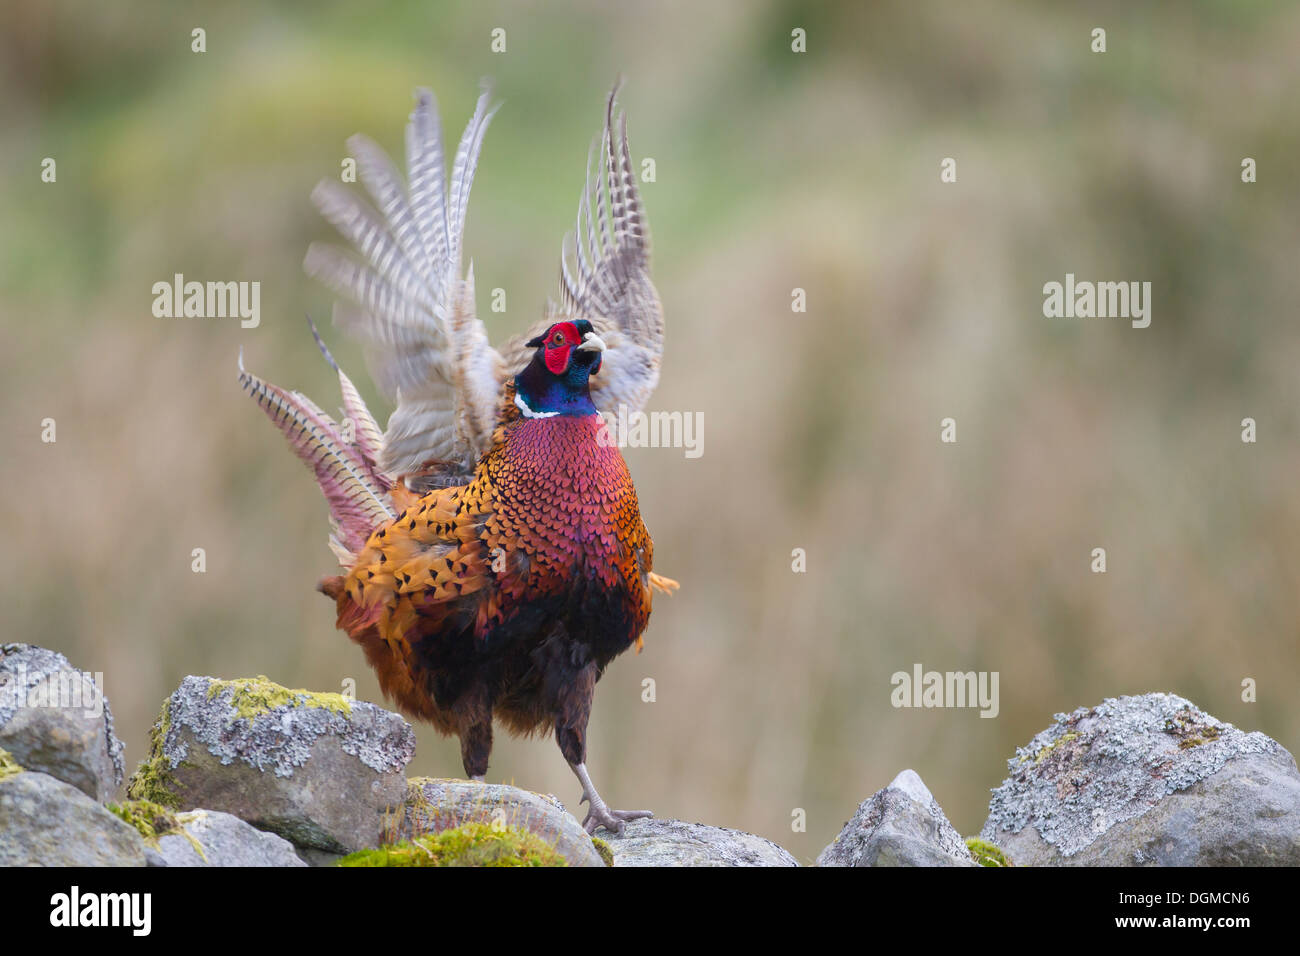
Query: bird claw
(615, 821)
(598, 813)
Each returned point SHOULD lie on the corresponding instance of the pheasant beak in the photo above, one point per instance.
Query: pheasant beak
(591, 342)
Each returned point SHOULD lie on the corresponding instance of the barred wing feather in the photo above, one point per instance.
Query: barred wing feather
(426, 349)
(605, 277)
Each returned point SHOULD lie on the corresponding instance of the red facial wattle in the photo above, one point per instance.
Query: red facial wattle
(557, 358)
(560, 343)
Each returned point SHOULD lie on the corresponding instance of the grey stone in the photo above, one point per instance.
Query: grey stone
(435, 804)
(901, 825)
(1148, 781)
(677, 843)
(54, 719)
(320, 770)
(46, 822)
(219, 839)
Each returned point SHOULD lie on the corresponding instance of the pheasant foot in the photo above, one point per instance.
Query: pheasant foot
(598, 812)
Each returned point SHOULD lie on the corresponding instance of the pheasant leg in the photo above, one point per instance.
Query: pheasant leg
(598, 812)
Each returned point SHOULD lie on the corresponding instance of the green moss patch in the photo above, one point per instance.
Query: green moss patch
(986, 854)
(153, 781)
(150, 819)
(153, 820)
(604, 850)
(471, 844)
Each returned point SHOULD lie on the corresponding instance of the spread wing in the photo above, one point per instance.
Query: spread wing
(414, 310)
(605, 277)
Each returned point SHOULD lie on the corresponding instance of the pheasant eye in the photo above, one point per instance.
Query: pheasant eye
(558, 339)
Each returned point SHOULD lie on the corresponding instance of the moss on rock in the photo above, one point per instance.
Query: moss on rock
(151, 820)
(986, 854)
(471, 844)
(603, 848)
(153, 781)
(251, 696)
(154, 821)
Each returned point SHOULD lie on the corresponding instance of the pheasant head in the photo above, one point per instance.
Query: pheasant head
(556, 381)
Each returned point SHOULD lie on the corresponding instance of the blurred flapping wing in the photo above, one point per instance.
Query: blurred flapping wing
(426, 349)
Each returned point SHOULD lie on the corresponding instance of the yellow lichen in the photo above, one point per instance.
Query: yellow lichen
(1044, 752)
(8, 765)
(1190, 732)
(252, 696)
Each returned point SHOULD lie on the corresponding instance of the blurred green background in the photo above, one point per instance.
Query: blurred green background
(774, 171)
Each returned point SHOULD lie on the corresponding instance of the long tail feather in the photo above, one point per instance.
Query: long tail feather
(357, 504)
(369, 440)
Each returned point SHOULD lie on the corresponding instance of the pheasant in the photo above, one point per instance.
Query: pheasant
(493, 556)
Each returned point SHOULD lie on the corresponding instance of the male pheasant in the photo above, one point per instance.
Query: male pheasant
(494, 556)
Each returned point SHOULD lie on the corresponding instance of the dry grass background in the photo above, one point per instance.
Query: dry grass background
(821, 430)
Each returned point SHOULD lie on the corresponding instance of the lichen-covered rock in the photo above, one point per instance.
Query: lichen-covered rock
(1148, 780)
(202, 837)
(211, 838)
(470, 844)
(8, 765)
(434, 804)
(46, 822)
(320, 770)
(676, 843)
(901, 825)
(56, 720)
